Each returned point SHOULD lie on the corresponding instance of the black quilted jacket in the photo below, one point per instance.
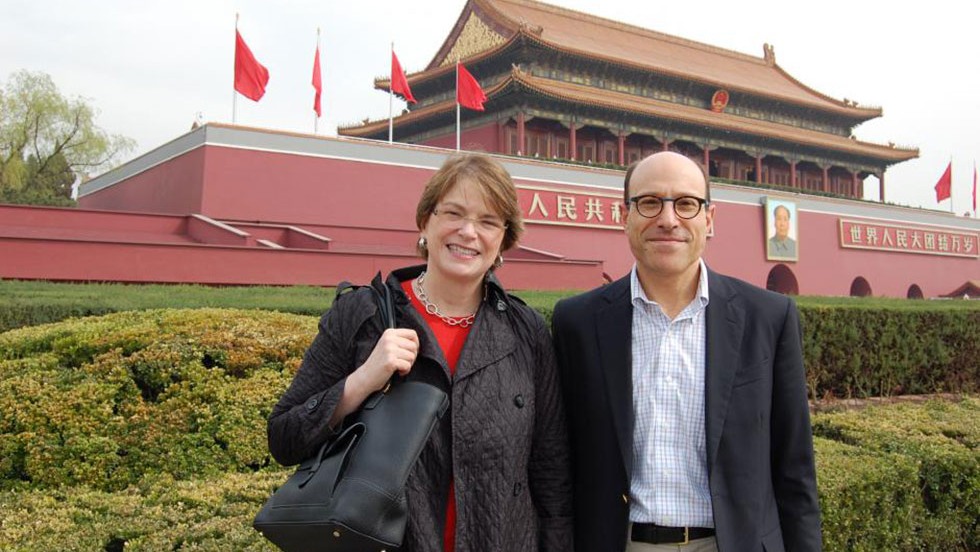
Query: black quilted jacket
(503, 439)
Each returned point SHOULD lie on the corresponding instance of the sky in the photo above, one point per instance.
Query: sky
(152, 67)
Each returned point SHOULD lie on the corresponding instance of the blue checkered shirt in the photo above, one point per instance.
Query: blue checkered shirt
(670, 473)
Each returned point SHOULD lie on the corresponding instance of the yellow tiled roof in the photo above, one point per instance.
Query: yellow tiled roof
(590, 36)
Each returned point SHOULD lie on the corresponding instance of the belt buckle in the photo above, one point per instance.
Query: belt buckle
(686, 537)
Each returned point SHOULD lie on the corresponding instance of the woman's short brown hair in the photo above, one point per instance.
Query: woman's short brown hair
(495, 183)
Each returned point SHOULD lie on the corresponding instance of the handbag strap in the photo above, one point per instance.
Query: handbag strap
(386, 308)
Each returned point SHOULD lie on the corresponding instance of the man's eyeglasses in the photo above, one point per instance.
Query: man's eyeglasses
(485, 225)
(685, 207)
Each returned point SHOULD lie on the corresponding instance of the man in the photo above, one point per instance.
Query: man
(685, 392)
(780, 244)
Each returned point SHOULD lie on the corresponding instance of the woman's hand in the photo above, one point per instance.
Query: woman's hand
(394, 352)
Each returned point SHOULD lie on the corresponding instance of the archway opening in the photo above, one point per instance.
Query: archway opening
(915, 292)
(860, 287)
(782, 280)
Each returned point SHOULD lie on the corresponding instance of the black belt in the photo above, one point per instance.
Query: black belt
(657, 534)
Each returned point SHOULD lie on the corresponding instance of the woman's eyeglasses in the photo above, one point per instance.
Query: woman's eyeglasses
(485, 225)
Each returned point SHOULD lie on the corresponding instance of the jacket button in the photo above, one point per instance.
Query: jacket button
(501, 306)
(519, 401)
(518, 488)
(312, 404)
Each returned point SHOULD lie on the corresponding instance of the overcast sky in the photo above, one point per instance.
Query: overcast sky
(151, 66)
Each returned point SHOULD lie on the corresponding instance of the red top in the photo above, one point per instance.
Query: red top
(451, 340)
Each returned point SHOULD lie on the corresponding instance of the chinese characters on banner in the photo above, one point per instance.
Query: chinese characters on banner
(860, 234)
(546, 206)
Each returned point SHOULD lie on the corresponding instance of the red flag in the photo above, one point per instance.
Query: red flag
(468, 91)
(250, 75)
(945, 185)
(399, 84)
(317, 82)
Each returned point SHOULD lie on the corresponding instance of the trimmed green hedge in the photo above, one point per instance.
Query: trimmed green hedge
(103, 401)
(146, 431)
(870, 501)
(942, 441)
(879, 352)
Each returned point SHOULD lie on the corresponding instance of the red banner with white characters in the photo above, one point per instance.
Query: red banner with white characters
(562, 207)
(881, 236)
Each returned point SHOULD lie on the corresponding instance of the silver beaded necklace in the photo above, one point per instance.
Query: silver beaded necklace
(431, 308)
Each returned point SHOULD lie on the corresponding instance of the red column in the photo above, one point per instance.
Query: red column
(792, 174)
(622, 147)
(520, 134)
(573, 148)
(758, 169)
(826, 180)
(881, 187)
(707, 167)
(501, 137)
(854, 183)
(666, 144)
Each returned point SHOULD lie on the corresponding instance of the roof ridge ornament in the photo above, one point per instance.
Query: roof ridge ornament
(525, 25)
(769, 53)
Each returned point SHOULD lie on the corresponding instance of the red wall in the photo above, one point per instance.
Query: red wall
(174, 186)
(278, 187)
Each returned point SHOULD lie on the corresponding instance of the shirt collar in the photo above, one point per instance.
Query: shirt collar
(638, 296)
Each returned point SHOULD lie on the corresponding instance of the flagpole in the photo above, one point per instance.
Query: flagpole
(234, 94)
(316, 118)
(391, 97)
(457, 104)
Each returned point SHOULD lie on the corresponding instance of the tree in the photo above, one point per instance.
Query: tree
(48, 141)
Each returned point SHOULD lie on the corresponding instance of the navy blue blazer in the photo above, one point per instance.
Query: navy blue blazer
(757, 424)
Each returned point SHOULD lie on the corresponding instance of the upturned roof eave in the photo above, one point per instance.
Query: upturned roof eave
(445, 106)
(426, 75)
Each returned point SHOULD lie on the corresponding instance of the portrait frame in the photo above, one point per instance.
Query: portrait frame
(786, 248)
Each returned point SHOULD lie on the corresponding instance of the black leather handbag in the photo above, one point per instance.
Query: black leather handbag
(350, 496)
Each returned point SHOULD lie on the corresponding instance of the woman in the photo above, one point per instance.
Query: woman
(494, 475)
